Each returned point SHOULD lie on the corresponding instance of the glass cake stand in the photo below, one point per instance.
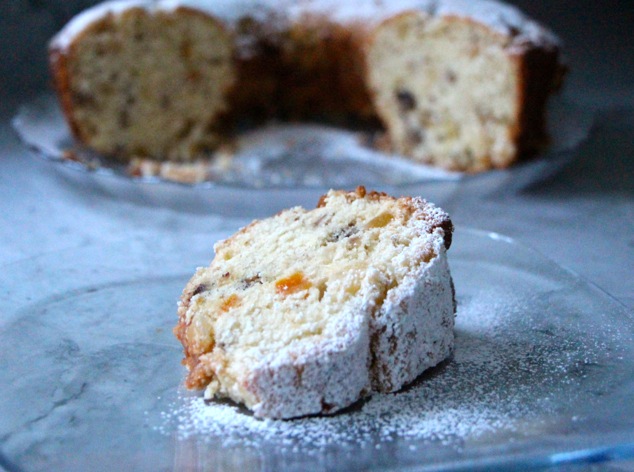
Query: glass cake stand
(90, 373)
(284, 162)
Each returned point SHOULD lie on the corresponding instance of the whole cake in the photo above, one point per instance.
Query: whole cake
(460, 84)
(308, 311)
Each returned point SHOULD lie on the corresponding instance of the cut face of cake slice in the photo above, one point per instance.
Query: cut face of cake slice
(454, 92)
(138, 82)
(308, 311)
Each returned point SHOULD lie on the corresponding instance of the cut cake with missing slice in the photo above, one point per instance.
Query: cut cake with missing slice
(307, 312)
(458, 84)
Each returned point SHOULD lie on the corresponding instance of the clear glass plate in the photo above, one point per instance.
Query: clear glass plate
(90, 374)
(278, 160)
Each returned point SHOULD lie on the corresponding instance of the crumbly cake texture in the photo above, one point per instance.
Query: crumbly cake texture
(307, 312)
(458, 84)
(136, 83)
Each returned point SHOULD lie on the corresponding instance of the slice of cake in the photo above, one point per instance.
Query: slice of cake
(308, 311)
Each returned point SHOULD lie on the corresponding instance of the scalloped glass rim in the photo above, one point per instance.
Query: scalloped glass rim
(113, 409)
(327, 157)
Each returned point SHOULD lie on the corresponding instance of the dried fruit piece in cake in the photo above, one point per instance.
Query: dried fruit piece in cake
(308, 311)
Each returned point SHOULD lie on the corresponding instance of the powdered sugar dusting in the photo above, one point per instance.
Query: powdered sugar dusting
(384, 417)
(496, 380)
(497, 15)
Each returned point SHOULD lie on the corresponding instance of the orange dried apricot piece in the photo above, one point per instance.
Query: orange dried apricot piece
(230, 302)
(292, 284)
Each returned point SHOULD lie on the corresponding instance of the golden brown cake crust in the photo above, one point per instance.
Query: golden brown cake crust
(59, 71)
(316, 68)
(541, 75)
